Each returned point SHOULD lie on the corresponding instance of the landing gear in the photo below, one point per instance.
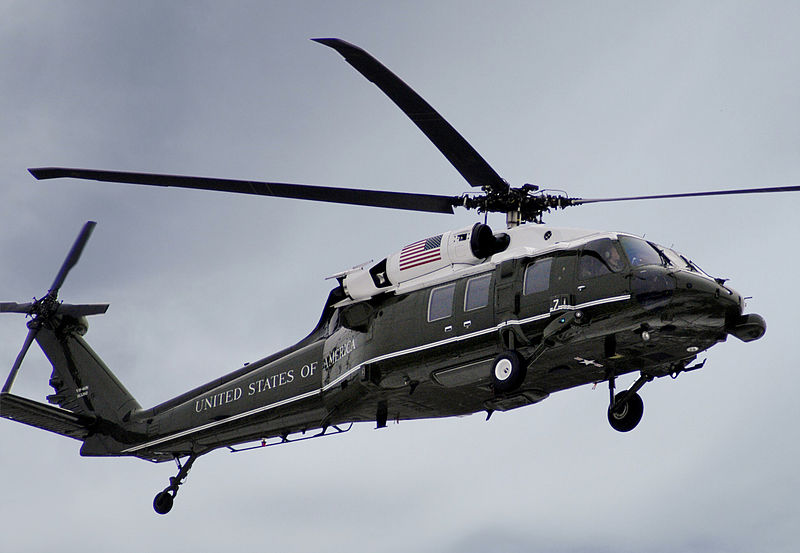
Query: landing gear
(626, 408)
(626, 412)
(508, 372)
(162, 502)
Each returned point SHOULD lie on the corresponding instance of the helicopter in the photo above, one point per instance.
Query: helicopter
(466, 321)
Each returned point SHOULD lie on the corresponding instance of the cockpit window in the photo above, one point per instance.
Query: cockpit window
(682, 262)
(678, 261)
(601, 257)
(640, 252)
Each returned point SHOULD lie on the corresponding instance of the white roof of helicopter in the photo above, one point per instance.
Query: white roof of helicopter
(525, 240)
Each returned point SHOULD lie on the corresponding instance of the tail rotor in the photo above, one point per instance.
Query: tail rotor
(44, 310)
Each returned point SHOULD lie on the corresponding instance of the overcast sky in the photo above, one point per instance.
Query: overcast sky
(596, 98)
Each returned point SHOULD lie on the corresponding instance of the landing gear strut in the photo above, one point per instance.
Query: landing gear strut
(626, 408)
(162, 502)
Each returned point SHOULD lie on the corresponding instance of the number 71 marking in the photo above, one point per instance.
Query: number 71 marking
(559, 302)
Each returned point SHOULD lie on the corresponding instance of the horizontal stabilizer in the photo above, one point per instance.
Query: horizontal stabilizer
(46, 417)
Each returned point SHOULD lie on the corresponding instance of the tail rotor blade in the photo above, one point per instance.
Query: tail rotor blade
(14, 307)
(44, 309)
(18, 362)
(73, 256)
(83, 310)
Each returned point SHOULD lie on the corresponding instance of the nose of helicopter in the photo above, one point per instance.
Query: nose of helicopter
(714, 300)
(705, 294)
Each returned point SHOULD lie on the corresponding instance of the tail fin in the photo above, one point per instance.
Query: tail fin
(83, 384)
(93, 406)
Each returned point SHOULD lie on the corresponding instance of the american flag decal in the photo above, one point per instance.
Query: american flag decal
(420, 253)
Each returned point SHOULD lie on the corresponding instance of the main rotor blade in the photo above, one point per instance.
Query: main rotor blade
(579, 201)
(352, 196)
(18, 361)
(73, 256)
(455, 148)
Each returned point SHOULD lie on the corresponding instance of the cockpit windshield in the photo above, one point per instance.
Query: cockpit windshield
(682, 262)
(640, 252)
(678, 261)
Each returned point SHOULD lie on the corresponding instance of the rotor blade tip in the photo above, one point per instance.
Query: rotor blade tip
(38, 173)
(329, 42)
(341, 46)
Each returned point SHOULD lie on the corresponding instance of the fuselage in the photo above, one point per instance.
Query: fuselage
(579, 307)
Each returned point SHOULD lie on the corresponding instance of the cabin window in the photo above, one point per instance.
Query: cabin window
(598, 258)
(440, 304)
(537, 276)
(477, 294)
(640, 252)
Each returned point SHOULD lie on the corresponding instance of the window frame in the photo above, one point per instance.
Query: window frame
(485, 276)
(533, 264)
(433, 291)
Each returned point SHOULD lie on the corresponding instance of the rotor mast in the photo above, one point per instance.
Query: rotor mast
(513, 219)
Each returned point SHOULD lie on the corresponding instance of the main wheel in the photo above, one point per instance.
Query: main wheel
(508, 372)
(162, 503)
(626, 412)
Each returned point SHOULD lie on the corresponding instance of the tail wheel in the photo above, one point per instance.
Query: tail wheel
(626, 412)
(508, 372)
